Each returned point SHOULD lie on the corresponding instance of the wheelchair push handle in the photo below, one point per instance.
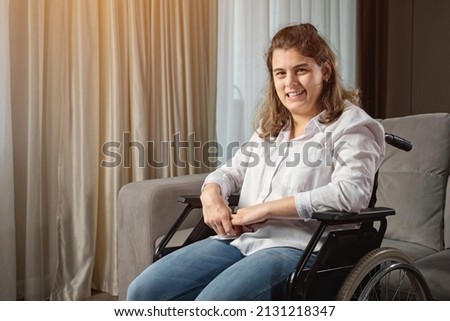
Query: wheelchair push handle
(398, 142)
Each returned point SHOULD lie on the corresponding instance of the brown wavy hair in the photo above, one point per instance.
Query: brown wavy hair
(273, 115)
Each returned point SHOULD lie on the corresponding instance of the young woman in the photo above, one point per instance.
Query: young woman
(313, 150)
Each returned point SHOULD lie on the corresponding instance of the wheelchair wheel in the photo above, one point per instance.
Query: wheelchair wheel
(385, 274)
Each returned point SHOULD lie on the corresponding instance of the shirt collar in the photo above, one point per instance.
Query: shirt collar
(313, 125)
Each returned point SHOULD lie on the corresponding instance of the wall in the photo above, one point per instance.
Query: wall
(418, 57)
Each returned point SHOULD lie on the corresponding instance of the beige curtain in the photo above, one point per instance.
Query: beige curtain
(7, 223)
(101, 93)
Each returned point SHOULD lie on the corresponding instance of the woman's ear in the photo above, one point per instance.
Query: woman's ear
(326, 71)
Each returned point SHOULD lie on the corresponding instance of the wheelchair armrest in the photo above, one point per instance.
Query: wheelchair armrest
(328, 217)
(366, 215)
(194, 200)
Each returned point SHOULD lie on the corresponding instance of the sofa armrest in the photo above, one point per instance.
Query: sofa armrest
(146, 210)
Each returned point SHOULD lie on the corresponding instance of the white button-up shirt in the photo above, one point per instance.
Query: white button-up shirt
(330, 167)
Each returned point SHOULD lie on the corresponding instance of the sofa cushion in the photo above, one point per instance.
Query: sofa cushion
(414, 183)
(435, 269)
(415, 251)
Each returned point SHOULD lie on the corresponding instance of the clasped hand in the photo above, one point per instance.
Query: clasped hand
(218, 215)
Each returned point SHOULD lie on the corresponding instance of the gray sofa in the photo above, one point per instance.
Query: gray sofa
(416, 184)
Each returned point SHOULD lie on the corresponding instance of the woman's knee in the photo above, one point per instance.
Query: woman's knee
(136, 291)
(166, 279)
(151, 284)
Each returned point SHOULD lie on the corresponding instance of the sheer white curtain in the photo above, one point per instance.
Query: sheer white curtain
(245, 29)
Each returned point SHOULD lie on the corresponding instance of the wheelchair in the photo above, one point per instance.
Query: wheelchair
(350, 264)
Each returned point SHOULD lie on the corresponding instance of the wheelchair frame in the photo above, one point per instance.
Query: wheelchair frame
(350, 264)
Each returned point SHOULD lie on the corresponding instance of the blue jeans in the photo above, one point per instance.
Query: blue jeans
(214, 270)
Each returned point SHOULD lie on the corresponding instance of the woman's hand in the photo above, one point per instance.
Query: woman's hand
(280, 209)
(250, 215)
(216, 212)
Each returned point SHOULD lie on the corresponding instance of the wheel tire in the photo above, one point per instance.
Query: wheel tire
(376, 265)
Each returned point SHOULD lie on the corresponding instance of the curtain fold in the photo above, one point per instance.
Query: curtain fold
(35, 190)
(78, 152)
(245, 30)
(101, 94)
(7, 219)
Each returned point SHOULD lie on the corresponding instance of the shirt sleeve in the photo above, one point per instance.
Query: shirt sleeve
(230, 175)
(357, 155)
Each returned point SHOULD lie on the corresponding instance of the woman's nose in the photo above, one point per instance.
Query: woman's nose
(291, 80)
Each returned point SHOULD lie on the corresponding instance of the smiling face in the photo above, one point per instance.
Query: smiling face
(298, 82)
